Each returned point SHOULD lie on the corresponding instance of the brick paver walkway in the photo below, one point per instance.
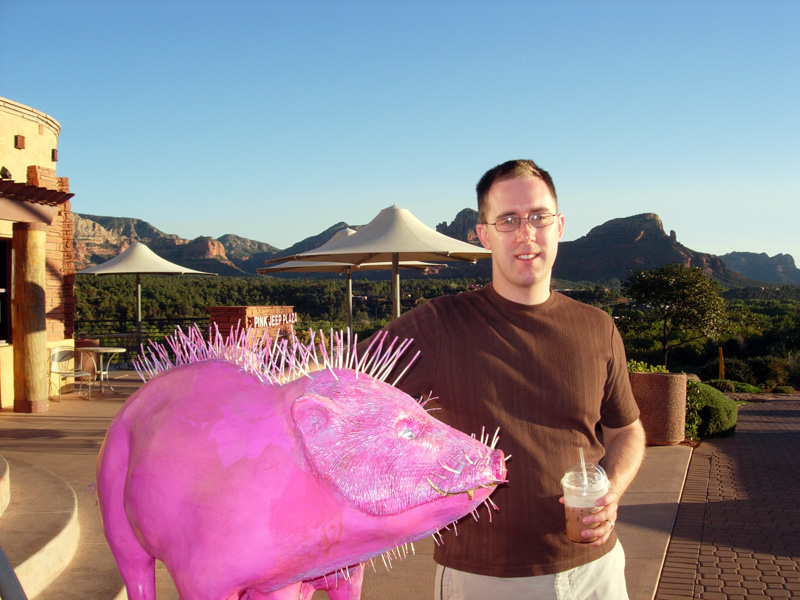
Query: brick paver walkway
(737, 531)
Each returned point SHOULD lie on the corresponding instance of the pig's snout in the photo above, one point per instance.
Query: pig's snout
(483, 473)
(497, 464)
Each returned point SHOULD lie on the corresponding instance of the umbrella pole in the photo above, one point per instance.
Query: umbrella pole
(396, 284)
(349, 286)
(138, 311)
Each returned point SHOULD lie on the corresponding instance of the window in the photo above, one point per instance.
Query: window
(5, 291)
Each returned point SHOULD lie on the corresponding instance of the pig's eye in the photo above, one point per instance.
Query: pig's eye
(408, 434)
(407, 428)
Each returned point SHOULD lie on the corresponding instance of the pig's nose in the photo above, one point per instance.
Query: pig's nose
(498, 465)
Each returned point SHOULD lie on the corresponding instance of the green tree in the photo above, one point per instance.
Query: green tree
(675, 304)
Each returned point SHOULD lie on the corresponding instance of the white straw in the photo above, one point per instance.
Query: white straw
(583, 467)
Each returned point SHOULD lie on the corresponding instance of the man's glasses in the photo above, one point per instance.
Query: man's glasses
(512, 223)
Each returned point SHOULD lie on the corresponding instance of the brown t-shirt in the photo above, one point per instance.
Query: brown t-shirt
(546, 375)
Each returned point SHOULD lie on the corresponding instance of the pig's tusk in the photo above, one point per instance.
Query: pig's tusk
(442, 492)
(449, 468)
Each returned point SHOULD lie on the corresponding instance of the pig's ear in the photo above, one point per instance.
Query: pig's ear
(312, 414)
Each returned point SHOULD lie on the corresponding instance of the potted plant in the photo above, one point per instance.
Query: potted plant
(661, 397)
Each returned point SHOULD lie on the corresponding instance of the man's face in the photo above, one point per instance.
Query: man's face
(522, 260)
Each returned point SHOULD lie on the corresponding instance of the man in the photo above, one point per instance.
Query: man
(546, 370)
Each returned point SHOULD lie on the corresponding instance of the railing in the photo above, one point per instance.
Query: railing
(123, 333)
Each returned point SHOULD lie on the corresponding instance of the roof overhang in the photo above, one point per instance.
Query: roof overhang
(25, 203)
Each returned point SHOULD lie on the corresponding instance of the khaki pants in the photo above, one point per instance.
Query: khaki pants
(602, 579)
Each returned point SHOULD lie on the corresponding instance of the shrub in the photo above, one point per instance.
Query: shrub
(638, 366)
(723, 385)
(717, 412)
(692, 430)
(783, 389)
(770, 371)
(746, 388)
(735, 370)
(793, 367)
(729, 387)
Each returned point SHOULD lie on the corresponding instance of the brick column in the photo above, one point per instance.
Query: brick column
(29, 336)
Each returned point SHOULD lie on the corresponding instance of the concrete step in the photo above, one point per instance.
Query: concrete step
(92, 574)
(39, 529)
(5, 485)
(75, 562)
(53, 539)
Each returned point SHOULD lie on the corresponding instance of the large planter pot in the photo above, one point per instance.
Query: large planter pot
(662, 403)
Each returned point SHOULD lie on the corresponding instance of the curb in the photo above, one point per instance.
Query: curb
(55, 528)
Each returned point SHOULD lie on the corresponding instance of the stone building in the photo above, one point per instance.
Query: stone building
(37, 300)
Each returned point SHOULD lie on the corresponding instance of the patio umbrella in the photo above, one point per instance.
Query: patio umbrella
(331, 267)
(139, 260)
(309, 266)
(394, 235)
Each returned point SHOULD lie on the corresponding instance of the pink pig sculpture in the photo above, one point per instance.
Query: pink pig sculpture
(254, 471)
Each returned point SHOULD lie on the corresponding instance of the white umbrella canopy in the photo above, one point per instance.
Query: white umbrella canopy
(294, 263)
(309, 266)
(394, 235)
(394, 231)
(139, 260)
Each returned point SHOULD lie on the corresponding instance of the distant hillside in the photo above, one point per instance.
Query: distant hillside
(98, 238)
(621, 246)
(776, 269)
(463, 227)
(314, 241)
(609, 252)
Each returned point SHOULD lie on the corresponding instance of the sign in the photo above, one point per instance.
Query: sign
(276, 320)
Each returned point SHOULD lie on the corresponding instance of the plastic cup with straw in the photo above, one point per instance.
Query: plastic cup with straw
(583, 484)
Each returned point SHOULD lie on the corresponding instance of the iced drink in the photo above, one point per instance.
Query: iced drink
(581, 491)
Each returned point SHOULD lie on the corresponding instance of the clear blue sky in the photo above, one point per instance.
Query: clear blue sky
(275, 120)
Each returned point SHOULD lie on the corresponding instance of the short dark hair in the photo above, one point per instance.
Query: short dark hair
(512, 169)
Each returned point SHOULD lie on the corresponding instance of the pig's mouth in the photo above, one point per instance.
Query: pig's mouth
(469, 492)
(495, 464)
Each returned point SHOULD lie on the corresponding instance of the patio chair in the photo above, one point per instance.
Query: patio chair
(63, 361)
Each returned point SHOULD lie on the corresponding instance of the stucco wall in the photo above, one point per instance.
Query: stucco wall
(41, 138)
(34, 165)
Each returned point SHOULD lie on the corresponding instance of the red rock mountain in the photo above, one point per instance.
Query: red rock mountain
(608, 253)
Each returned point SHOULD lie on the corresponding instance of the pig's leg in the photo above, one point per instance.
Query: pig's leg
(336, 585)
(135, 565)
(307, 590)
(351, 588)
(288, 593)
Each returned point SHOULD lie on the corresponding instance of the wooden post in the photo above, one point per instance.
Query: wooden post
(349, 292)
(395, 285)
(28, 313)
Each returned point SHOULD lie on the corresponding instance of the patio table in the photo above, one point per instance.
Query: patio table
(103, 370)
